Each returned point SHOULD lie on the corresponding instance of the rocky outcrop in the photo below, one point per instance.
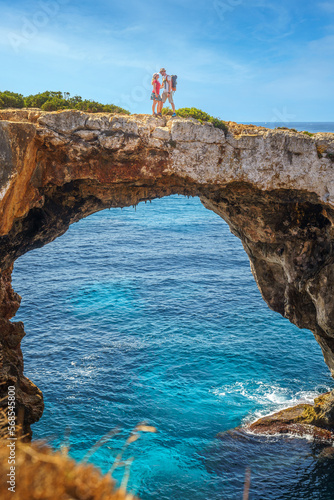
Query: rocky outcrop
(300, 420)
(275, 189)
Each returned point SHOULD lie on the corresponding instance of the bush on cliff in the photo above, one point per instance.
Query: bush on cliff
(37, 100)
(11, 100)
(55, 101)
(202, 117)
(199, 115)
(97, 107)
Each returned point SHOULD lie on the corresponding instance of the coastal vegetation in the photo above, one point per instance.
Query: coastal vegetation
(55, 101)
(199, 115)
(305, 132)
(286, 128)
(308, 133)
(43, 473)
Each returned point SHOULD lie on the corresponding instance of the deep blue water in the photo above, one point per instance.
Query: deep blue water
(153, 315)
(312, 127)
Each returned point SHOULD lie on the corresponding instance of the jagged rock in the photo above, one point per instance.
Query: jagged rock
(275, 189)
(301, 420)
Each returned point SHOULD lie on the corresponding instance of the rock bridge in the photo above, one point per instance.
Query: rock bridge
(274, 188)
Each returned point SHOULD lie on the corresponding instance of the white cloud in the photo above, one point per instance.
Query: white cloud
(99, 56)
(271, 21)
(327, 6)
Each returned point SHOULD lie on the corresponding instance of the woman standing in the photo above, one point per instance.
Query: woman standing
(155, 96)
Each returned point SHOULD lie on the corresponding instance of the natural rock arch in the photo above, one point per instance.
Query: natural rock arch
(275, 189)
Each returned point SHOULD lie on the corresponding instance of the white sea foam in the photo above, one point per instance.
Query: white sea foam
(288, 435)
(269, 398)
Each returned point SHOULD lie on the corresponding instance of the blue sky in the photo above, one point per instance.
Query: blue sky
(241, 60)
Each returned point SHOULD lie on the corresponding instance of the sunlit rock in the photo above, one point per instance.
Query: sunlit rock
(275, 189)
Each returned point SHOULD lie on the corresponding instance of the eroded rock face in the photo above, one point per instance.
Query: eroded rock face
(275, 189)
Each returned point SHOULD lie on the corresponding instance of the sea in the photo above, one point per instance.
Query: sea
(150, 315)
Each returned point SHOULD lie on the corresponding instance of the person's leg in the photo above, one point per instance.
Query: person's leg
(163, 100)
(171, 100)
(153, 107)
(156, 103)
(159, 108)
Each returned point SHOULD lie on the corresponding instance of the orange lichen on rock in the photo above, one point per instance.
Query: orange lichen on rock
(18, 194)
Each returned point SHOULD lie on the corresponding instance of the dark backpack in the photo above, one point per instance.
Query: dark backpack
(174, 82)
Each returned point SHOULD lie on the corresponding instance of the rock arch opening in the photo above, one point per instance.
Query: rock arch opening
(269, 186)
(142, 313)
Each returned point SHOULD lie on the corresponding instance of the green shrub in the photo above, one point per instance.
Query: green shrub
(308, 133)
(54, 104)
(11, 99)
(96, 107)
(54, 101)
(90, 106)
(37, 100)
(167, 111)
(202, 117)
(111, 108)
(286, 128)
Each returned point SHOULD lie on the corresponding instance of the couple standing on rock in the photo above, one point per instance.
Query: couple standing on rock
(167, 92)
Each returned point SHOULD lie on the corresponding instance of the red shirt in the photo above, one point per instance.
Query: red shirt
(156, 87)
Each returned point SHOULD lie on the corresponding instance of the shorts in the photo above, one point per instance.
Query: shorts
(165, 96)
(155, 97)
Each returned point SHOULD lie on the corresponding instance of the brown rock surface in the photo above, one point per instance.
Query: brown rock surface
(300, 420)
(275, 189)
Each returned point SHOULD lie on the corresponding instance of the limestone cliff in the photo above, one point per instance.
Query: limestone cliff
(275, 189)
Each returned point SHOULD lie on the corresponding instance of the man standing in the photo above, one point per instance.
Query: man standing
(167, 92)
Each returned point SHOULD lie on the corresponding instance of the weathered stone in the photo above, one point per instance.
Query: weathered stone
(162, 133)
(302, 420)
(275, 189)
(189, 131)
(86, 135)
(98, 121)
(65, 122)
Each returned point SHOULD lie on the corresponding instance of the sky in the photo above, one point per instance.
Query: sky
(240, 60)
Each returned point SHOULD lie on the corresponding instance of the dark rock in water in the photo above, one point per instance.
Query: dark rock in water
(300, 420)
(327, 453)
(305, 465)
(275, 189)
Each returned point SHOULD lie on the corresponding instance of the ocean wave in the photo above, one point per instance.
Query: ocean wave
(268, 398)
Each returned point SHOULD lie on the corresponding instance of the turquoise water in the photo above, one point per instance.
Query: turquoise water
(153, 315)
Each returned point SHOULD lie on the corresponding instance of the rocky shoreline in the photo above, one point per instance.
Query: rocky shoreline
(302, 420)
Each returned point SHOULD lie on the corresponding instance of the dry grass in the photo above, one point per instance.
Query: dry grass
(42, 474)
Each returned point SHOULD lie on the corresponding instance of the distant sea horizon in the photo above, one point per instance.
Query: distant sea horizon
(312, 126)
